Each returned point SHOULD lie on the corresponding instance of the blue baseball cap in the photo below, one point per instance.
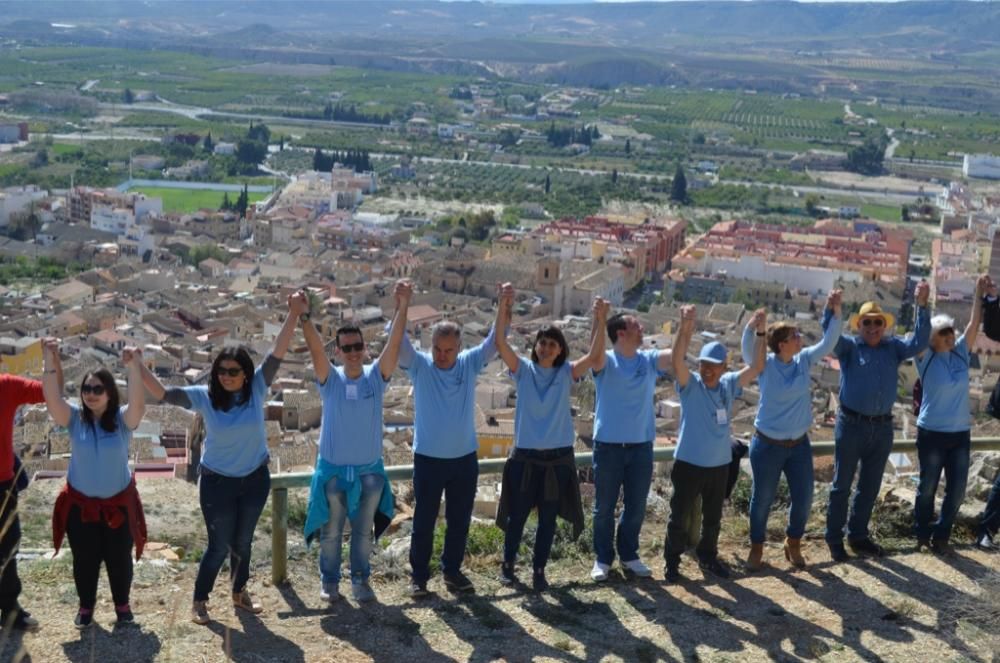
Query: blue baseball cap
(713, 353)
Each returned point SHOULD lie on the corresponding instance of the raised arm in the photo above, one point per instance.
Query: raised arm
(917, 342)
(321, 363)
(750, 372)
(136, 408)
(681, 342)
(505, 304)
(831, 331)
(59, 409)
(297, 305)
(594, 360)
(748, 340)
(984, 286)
(389, 358)
(152, 383)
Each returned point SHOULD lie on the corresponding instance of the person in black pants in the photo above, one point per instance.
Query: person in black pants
(989, 521)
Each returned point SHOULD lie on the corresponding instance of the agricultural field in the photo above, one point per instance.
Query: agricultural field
(186, 201)
(764, 121)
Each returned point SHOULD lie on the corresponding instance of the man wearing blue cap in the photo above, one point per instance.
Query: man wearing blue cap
(624, 428)
(701, 462)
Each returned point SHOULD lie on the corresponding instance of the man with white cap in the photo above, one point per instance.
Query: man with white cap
(701, 462)
(869, 366)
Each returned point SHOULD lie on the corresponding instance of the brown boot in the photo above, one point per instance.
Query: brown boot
(755, 561)
(793, 553)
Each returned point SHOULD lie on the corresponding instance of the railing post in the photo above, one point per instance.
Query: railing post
(279, 535)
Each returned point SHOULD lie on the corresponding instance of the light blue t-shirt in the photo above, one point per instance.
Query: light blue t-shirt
(98, 464)
(543, 419)
(623, 413)
(235, 440)
(704, 440)
(944, 406)
(445, 402)
(785, 410)
(351, 430)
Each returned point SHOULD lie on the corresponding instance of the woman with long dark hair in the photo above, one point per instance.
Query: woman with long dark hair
(234, 479)
(541, 470)
(99, 508)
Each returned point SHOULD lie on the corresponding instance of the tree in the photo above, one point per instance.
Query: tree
(905, 213)
(812, 204)
(548, 184)
(40, 159)
(867, 159)
(628, 147)
(207, 143)
(226, 203)
(678, 188)
(614, 176)
(242, 203)
(127, 96)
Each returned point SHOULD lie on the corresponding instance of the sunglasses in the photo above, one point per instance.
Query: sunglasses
(792, 336)
(95, 389)
(231, 372)
(868, 322)
(353, 347)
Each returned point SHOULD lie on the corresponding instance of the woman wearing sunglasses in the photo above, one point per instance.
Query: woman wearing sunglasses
(234, 480)
(781, 441)
(349, 482)
(99, 508)
(541, 471)
(943, 424)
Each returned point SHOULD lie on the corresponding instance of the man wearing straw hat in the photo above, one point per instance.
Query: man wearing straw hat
(869, 366)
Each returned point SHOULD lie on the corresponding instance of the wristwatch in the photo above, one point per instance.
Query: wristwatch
(305, 317)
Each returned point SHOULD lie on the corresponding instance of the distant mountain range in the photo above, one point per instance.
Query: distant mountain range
(621, 24)
(772, 45)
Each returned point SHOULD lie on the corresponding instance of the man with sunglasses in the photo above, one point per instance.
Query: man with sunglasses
(869, 368)
(349, 482)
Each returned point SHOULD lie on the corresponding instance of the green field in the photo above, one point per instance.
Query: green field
(183, 200)
(882, 212)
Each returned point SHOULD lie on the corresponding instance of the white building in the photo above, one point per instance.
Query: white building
(986, 166)
(757, 268)
(109, 219)
(16, 199)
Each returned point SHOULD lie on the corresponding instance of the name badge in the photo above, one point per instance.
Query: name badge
(720, 416)
(352, 392)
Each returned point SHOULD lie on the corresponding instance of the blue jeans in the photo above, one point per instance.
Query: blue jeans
(532, 496)
(625, 469)
(859, 441)
(768, 461)
(937, 451)
(362, 528)
(989, 521)
(231, 507)
(457, 479)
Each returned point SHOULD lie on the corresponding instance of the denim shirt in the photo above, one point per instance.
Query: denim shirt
(869, 375)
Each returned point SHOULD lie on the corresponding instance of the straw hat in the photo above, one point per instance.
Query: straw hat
(872, 310)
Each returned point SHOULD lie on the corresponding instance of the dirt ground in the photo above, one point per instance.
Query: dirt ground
(902, 608)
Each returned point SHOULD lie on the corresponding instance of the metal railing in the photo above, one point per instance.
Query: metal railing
(281, 483)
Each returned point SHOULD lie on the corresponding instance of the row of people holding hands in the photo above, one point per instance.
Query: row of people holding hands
(100, 510)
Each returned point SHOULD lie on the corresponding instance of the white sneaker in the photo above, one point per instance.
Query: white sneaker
(985, 542)
(638, 569)
(600, 572)
(329, 593)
